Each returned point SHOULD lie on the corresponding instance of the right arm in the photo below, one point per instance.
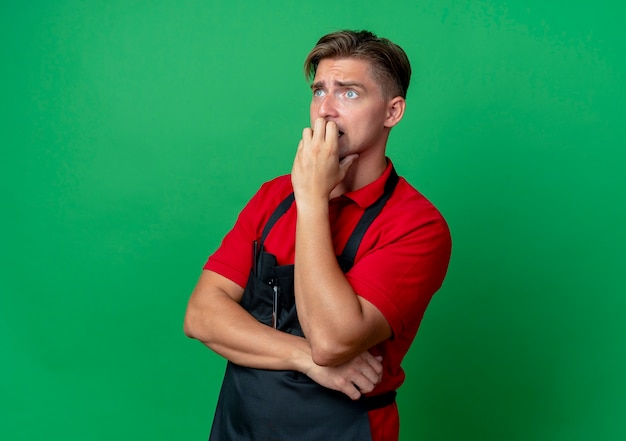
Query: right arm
(215, 318)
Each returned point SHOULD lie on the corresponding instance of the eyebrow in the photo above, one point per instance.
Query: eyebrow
(321, 84)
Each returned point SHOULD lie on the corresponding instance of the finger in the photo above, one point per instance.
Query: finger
(363, 382)
(372, 374)
(352, 390)
(319, 129)
(299, 148)
(346, 163)
(374, 362)
(373, 367)
(332, 132)
(307, 134)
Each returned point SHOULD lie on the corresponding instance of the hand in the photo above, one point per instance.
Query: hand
(317, 168)
(354, 378)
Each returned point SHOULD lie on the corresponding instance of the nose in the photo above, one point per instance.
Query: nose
(328, 106)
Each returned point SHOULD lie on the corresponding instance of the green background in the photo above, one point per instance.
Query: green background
(133, 132)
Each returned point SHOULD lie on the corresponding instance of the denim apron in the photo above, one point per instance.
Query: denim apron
(266, 405)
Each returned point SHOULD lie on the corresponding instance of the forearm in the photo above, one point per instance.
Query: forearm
(330, 312)
(217, 320)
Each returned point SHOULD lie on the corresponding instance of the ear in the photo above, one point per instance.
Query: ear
(395, 111)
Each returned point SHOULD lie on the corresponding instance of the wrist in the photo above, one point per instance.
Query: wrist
(312, 205)
(300, 359)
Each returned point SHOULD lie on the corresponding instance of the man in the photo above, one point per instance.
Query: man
(317, 292)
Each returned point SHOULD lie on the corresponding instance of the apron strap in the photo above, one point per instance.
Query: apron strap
(346, 260)
(280, 210)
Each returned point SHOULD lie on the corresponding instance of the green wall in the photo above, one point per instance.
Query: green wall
(133, 132)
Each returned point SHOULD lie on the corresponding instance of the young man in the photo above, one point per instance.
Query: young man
(317, 292)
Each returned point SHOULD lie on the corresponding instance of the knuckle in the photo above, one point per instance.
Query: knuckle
(353, 371)
(342, 383)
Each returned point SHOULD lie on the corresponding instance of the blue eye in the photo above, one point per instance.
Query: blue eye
(318, 92)
(351, 94)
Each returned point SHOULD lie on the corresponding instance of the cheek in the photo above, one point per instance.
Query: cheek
(367, 120)
(374, 119)
(313, 111)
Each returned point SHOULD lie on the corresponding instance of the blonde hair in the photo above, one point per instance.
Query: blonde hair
(390, 64)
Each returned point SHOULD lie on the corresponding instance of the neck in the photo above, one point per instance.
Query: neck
(363, 171)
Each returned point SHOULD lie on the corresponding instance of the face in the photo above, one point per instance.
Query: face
(345, 92)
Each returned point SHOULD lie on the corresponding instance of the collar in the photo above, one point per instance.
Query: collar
(366, 196)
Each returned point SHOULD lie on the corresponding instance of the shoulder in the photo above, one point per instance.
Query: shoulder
(411, 222)
(410, 207)
(272, 192)
(261, 206)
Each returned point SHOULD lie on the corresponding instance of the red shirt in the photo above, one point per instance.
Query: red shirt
(400, 264)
